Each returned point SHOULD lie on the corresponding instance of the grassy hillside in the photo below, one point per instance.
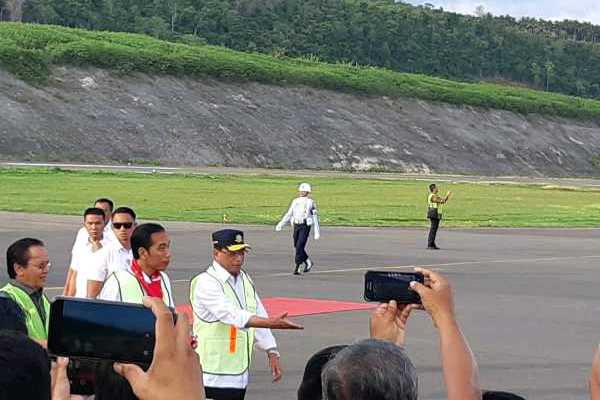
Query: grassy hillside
(262, 199)
(29, 52)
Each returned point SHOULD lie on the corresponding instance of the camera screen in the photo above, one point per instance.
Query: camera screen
(108, 331)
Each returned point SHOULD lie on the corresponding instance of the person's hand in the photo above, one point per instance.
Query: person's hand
(175, 372)
(388, 322)
(274, 366)
(279, 227)
(96, 245)
(61, 387)
(317, 236)
(283, 322)
(436, 296)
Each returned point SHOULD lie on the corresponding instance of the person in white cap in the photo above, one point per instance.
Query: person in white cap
(302, 214)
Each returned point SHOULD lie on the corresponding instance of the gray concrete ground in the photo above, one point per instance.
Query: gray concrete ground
(526, 299)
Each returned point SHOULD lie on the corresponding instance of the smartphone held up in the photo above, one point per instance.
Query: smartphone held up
(384, 286)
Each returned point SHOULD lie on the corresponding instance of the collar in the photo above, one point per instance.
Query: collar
(222, 274)
(26, 288)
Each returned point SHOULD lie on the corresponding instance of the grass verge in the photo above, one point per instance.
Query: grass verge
(262, 200)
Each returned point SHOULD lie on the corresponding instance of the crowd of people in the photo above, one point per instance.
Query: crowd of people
(114, 258)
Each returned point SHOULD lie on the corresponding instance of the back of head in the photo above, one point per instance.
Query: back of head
(142, 237)
(491, 395)
(370, 370)
(311, 387)
(432, 187)
(11, 316)
(25, 368)
(110, 385)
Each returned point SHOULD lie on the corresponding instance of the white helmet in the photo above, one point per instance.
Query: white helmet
(304, 187)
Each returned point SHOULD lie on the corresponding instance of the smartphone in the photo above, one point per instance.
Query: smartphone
(383, 286)
(97, 329)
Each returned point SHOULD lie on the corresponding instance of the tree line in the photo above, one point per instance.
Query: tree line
(555, 56)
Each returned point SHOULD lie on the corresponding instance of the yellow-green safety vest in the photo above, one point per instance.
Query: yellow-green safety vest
(432, 204)
(131, 291)
(223, 349)
(36, 328)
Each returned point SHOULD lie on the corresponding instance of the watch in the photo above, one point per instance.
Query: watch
(275, 352)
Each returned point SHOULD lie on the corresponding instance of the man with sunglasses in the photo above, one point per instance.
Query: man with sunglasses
(229, 319)
(116, 256)
(27, 265)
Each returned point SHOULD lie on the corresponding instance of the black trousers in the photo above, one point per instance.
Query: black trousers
(224, 394)
(435, 224)
(301, 232)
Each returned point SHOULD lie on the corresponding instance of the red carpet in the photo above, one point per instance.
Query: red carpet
(298, 307)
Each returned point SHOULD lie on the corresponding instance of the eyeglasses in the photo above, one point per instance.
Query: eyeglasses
(41, 266)
(119, 225)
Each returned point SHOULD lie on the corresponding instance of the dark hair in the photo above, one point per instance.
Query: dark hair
(18, 253)
(25, 368)
(110, 385)
(142, 237)
(432, 186)
(124, 210)
(311, 387)
(491, 395)
(12, 317)
(370, 369)
(110, 203)
(94, 211)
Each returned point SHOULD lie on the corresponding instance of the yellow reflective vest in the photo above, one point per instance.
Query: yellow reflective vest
(36, 328)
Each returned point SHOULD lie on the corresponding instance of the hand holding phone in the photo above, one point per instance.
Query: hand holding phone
(384, 286)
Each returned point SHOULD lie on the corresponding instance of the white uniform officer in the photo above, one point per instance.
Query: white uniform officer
(302, 214)
(229, 320)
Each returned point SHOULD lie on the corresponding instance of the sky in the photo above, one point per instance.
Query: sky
(582, 10)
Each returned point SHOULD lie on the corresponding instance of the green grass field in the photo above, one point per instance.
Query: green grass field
(263, 199)
(30, 52)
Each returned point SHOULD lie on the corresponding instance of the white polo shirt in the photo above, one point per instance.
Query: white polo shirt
(82, 257)
(210, 304)
(112, 258)
(82, 235)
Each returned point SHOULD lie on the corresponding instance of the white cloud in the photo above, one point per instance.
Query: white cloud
(582, 10)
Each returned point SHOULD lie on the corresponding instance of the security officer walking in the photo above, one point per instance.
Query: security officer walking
(302, 214)
(28, 265)
(151, 248)
(434, 213)
(229, 319)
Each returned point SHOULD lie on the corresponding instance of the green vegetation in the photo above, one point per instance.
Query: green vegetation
(262, 200)
(554, 56)
(30, 50)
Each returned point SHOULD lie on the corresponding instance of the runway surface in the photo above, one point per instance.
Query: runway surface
(528, 300)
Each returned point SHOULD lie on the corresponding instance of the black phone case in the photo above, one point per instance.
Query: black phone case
(383, 286)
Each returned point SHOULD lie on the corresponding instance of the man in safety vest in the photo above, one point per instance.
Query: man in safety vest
(151, 248)
(27, 265)
(434, 213)
(229, 319)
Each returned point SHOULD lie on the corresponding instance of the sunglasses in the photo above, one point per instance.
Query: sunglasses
(119, 225)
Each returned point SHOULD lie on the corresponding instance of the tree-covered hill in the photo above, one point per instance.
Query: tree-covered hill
(555, 56)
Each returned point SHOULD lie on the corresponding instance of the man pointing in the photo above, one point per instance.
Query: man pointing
(229, 319)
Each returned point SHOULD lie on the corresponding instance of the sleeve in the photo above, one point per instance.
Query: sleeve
(210, 299)
(75, 258)
(286, 218)
(81, 238)
(315, 216)
(98, 266)
(263, 337)
(110, 290)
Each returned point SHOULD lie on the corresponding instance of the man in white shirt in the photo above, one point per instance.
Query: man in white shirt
(302, 215)
(229, 319)
(93, 223)
(116, 256)
(107, 206)
(151, 248)
(82, 238)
